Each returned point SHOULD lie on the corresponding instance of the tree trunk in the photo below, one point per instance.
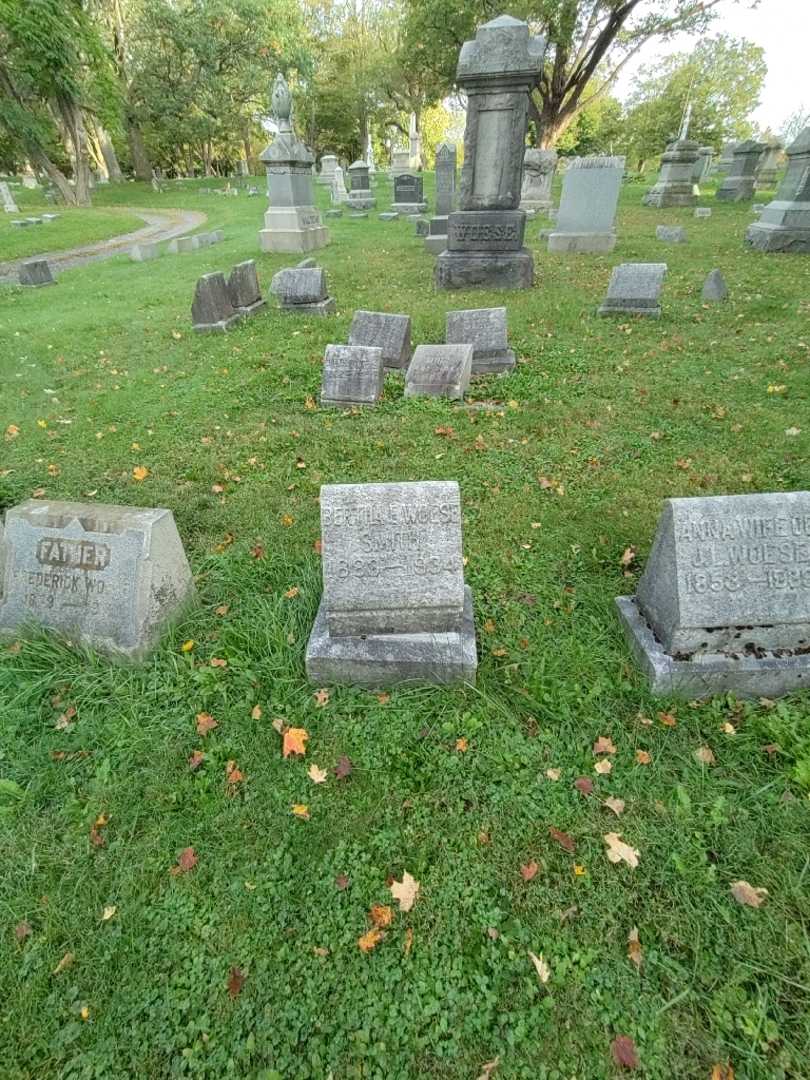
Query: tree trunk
(141, 165)
(55, 174)
(73, 121)
(108, 153)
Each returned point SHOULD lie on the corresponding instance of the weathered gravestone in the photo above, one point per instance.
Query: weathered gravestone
(497, 71)
(303, 291)
(211, 309)
(671, 234)
(395, 608)
(352, 375)
(485, 330)
(635, 289)
(338, 192)
(400, 162)
(436, 239)
(391, 333)
(703, 211)
(724, 602)
(714, 287)
(328, 165)
(538, 174)
(108, 577)
(144, 252)
(767, 168)
(35, 273)
(587, 214)
(360, 196)
(408, 197)
(784, 224)
(9, 204)
(738, 184)
(675, 186)
(726, 157)
(701, 168)
(244, 290)
(439, 371)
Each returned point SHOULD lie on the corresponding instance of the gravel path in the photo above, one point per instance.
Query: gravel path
(160, 225)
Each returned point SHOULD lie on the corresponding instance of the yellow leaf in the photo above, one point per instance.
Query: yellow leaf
(405, 891)
(316, 775)
(108, 912)
(286, 520)
(634, 947)
(187, 646)
(301, 810)
(553, 774)
(618, 851)
(579, 871)
(256, 712)
(602, 767)
(140, 472)
(541, 967)
(64, 963)
(85, 1013)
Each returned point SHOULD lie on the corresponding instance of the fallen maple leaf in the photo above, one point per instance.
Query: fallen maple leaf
(747, 894)
(563, 839)
(553, 774)
(236, 980)
(642, 757)
(140, 472)
(108, 912)
(64, 963)
(195, 759)
(584, 785)
(205, 723)
(634, 947)
(704, 755)
(301, 810)
(529, 871)
(186, 860)
(616, 805)
(256, 712)
(541, 967)
(343, 767)
(294, 741)
(618, 851)
(405, 891)
(370, 940)
(232, 774)
(667, 719)
(624, 1052)
(604, 745)
(321, 698)
(462, 745)
(381, 915)
(316, 775)
(603, 767)
(217, 661)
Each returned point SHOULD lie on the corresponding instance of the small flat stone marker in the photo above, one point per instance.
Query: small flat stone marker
(389, 215)
(211, 309)
(395, 608)
(187, 243)
(35, 273)
(422, 226)
(703, 211)
(439, 371)
(635, 289)
(352, 375)
(714, 287)
(333, 213)
(391, 333)
(303, 290)
(108, 577)
(724, 602)
(243, 288)
(144, 252)
(671, 234)
(358, 214)
(485, 330)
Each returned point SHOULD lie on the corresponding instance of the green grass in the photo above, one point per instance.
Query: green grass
(620, 415)
(74, 227)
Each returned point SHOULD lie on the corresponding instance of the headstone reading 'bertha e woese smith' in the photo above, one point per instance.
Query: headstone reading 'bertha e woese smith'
(439, 371)
(391, 333)
(724, 602)
(352, 375)
(108, 577)
(395, 608)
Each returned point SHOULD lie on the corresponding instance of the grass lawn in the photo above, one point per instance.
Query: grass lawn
(73, 228)
(601, 421)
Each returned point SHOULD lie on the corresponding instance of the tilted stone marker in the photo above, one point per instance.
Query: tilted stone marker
(635, 289)
(497, 71)
(303, 291)
(586, 220)
(391, 333)
(395, 608)
(539, 167)
(144, 252)
(784, 224)
(108, 577)
(485, 330)
(738, 184)
(352, 375)
(439, 371)
(726, 157)
(35, 273)
(211, 309)
(675, 186)
(724, 602)
(9, 204)
(701, 168)
(714, 287)
(244, 290)
(671, 234)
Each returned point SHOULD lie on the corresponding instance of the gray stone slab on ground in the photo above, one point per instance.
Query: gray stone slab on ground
(352, 375)
(714, 287)
(107, 577)
(187, 243)
(211, 309)
(304, 285)
(485, 330)
(244, 289)
(34, 273)
(391, 333)
(726, 595)
(703, 211)
(333, 214)
(144, 252)
(671, 234)
(635, 289)
(439, 371)
(389, 215)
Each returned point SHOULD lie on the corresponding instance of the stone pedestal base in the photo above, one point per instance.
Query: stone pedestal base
(393, 659)
(363, 200)
(218, 327)
(436, 244)
(536, 206)
(294, 229)
(601, 243)
(736, 189)
(493, 363)
(674, 196)
(322, 307)
(484, 270)
(409, 207)
(711, 674)
(775, 238)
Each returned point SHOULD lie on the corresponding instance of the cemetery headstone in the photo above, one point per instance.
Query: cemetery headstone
(738, 184)
(303, 291)
(539, 167)
(391, 333)
(360, 196)
(703, 211)
(702, 167)
(329, 163)
(243, 289)
(9, 205)
(211, 309)
(352, 375)
(339, 194)
(635, 289)
(439, 371)
(726, 157)
(408, 197)
(436, 239)
(291, 223)
(485, 330)
(587, 214)
(395, 608)
(400, 162)
(784, 224)
(35, 273)
(144, 252)
(107, 577)
(675, 186)
(767, 169)
(485, 248)
(671, 234)
(714, 287)
(724, 602)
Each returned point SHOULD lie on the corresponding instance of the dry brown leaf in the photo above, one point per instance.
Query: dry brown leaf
(642, 757)
(186, 860)
(541, 967)
(747, 894)
(634, 947)
(462, 745)
(236, 980)
(563, 839)
(381, 915)
(370, 940)
(22, 930)
(256, 712)
(722, 1072)
(667, 719)
(321, 698)
(408, 941)
(64, 963)
(489, 1068)
(294, 741)
(603, 767)
(624, 1052)
(529, 870)
(584, 785)
(604, 745)
(195, 759)
(704, 755)
(618, 851)
(405, 891)
(616, 805)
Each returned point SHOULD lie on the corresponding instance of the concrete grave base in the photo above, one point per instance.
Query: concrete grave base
(322, 307)
(494, 363)
(627, 308)
(409, 208)
(392, 659)
(436, 243)
(218, 327)
(778, 238)
(294, 240)
(252, 309)
(489, 270)
(590, 243)
(711, 674)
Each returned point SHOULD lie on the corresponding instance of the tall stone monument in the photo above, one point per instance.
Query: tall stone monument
(784, 224)
(768, 166)
(485, 248)
(414, 144)
(587, 215)
(738, 184)
(291, 223)
(675, 186)
(400, 162)
(539, 167)
(436, 240)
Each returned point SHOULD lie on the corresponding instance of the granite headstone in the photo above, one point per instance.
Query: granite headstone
(635, 289)
(587, 214)
(484, 329)
(391, 333)
(439, 371)
(352, 375)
